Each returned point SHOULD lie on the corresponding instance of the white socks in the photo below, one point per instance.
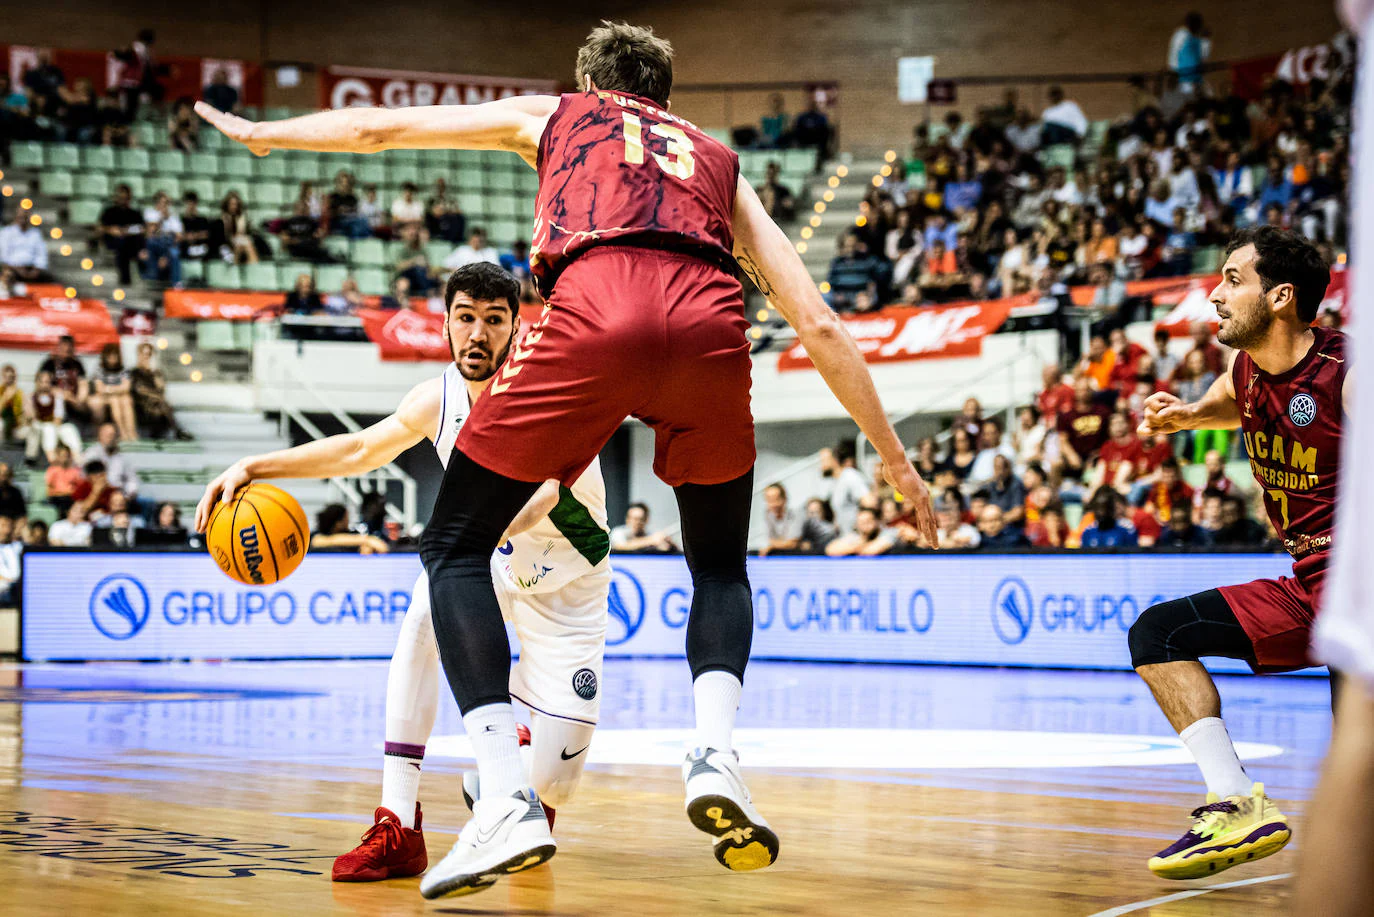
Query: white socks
(491, 729)
(401, 780)
(716, 694)
(1211, 746)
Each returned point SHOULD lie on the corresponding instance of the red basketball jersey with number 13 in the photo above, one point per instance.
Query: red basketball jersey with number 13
(1292, 428)
(616, 167)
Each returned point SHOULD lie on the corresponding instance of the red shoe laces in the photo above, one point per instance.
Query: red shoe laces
(391, 835)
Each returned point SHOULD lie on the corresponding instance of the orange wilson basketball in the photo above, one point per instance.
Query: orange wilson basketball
(260, 537)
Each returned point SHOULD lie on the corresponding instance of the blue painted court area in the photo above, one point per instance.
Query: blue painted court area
(1087, 735)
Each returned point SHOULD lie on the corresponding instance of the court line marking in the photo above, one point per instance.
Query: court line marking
(1192, 893)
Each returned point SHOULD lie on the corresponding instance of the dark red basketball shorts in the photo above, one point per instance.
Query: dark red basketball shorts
(628, 332)
(1277, 614)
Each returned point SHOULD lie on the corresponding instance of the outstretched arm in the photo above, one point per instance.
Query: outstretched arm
(764, 253)
(513, 124)
(334, 456)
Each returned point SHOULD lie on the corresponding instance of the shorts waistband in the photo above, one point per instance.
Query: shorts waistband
(672, 248)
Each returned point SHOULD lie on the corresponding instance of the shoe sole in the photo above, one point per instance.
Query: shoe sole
(741, 845)
(478, 881)
(1203, 865)
(405, 871)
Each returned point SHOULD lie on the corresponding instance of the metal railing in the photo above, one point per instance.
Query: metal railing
(351, 493)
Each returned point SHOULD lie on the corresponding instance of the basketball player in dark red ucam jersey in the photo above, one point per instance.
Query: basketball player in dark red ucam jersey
(1286, 391)
(641, 219)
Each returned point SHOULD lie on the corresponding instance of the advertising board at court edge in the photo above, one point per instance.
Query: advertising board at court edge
(1053, 610)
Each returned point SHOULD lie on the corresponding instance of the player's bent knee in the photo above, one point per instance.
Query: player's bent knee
(1148, 637)
(558, 791)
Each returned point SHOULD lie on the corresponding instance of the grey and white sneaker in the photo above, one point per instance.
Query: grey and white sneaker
(505, 835)
(718, 803)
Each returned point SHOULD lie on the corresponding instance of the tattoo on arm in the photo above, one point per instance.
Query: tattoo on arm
(754, 271)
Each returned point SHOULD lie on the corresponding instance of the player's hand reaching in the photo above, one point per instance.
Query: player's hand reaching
(221, 489)
(904, 479)
(233, 127)
(1164, 413)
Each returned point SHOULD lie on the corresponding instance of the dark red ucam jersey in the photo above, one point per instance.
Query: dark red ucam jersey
(617, 168)
(1292, 428)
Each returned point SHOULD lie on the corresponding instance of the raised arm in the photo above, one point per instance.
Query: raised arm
(1216, 410)
(334, 456)
(513, 124)
(764, 253)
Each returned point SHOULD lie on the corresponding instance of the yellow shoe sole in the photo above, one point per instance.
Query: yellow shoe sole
(1200, 865)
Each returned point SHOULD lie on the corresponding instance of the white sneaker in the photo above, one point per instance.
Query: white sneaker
(718, 803)
(505, 835)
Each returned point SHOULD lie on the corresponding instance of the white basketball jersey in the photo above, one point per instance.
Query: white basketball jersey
(571, 540)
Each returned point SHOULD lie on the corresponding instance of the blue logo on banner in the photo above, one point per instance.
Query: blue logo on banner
(625, 606)
(119, 606)
(1012, 610)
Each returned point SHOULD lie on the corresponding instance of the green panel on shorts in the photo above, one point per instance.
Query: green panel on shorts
(577, 525)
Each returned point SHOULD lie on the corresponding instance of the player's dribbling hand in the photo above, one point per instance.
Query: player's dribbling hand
(1163, 414)
(230, 481)
(233, 127)
(904, 479)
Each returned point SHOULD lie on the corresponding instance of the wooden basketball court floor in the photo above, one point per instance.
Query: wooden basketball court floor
(228, 789)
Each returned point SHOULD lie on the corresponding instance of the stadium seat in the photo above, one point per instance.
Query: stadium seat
(215, 335)
(269, 194)
(504, 232)
(306, 167)
(437, 252)
(169, 183)
(799, 162)
(204, 187)
(329, 278)
(150, 135)
(207, 164)
(98, 158)
(262, 277)
(133, 160)
(338, 246)
(193, 270)
(472, 203)
(275, 113)
(369, 252)
(287, 272)
(138, 185)
(84, 213)
(372, 281)
(501, 180)
(273, 166)
(240, 166)
(404, 172)
(27, 155)
(506, 207)
(1207, 259)
(223, 276)
(214, 141)
(468, 161)
(63, 156)
(91, 184)
(372, 171)
(57, 184)
(173, 162)
(407, 157)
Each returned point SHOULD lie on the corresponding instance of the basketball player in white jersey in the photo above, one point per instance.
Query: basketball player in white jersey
(551, 574)
(1336, 865)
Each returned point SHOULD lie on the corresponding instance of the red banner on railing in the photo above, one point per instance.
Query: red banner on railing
(37, 323)
(221, 305)
(184, 76)
(406, 334)
(346, 87)
(901, 333)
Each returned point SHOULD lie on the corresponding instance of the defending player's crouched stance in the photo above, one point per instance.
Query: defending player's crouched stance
(551, 575)
(1285, 391)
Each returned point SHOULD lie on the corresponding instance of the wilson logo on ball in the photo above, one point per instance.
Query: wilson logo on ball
(252, 557)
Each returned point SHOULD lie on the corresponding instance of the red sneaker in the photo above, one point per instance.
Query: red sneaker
(388, 851)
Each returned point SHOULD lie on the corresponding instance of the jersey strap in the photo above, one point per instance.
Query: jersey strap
(576, 524)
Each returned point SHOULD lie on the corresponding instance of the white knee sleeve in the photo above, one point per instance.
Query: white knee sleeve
(559, 754)
(412, 680)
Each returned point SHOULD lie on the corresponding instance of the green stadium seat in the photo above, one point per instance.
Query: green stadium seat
(243, 335)
(84, 213)
(274, 243)
(150, 135)
(404, 172)
(338, 246)
(169, 183)
(1258, 175)
(393, 251)
(437, 252)
(92, 184)
(221, 276)
(469, 160)
(240, 166)
(138, 185)
(506, 207)
(273, 166)
(27, 155)
(204, 187)
(238, 186)
(207, 164)
(213, 141)
(57, 184)
(329, 278)
(306, 168)
(275, 113)
(472, 203)
(269, 194)
(63, 156)
(193, 270)
(251, 112)
(261, 276)
(1207, 259)
(288, 271)
(501, 180)
(172, 162)
(527, 182)
(215, 335)
(133, 160)
(407, 157)
(799, 161)
(98, 158)
(504, 232)
(369, 253)
(372, 281)
(371, 171)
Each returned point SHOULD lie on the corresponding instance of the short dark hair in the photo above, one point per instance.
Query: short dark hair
(620, 57)
(1283, 256)
(190, 197)
(638, 505)
(782, 490)
(483, 282)
(329, 517)
(96, 466)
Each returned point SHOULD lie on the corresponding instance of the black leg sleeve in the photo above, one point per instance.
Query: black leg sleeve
(715, 532)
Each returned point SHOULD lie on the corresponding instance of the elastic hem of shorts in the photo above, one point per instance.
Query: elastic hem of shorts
(557, 716)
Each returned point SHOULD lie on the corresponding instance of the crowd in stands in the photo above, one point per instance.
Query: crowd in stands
(1014, 203)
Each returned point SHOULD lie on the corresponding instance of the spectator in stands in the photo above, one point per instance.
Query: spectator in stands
(1029, 438)
(1181, 532)
(1176, 257)
(842, 486)
(220, 93)
(773, 126)
(413, 262)
(1106, 530)
(112, 393)
(14, 414)
(1024, 133)
(342, 209)
(71, 531)
(371, 211)
(183, 127)
(332, 531)
(1189, 48)
(1006, 493)
(475, 250)
(195, 229)
(49, 425)
(306, 193)
(994, 533)
(45, 79)
(517, 261)
(444, 219)
(139, 73)
(1050, 530)
(1063, 120)
(407, 212)
(303, 237)
(1234, 183)
(854, 270)
(1082, 431)
(940, 273)
(811, 130)
(1169, 489)
(35, 534)
(151, 407)
(10, 284)
(634, 536)
(24, 248)
(347, 301)
(782, 523)
(162, 233)
(818, 529)
(867, 539)
(94, 492)
(107, 453)
(953, 531)
(1237, 528)
(62, 478)
(166, 528)
(68, 375)
(1118, 461)
(990, 446)
(398, 297)
(12, 503)
(304, 299)
(232, 235)
(778, 200)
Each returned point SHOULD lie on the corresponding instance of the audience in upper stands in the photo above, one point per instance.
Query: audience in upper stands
(24, 248)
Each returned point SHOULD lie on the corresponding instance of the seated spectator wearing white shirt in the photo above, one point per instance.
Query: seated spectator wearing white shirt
(407, 212)
(49, 425)
(1064, 121)
(23, 248)
(634, 536)
(990, 446)
(10, 549)
(782, 522)
(73, 531)
(121, 474)
(475, 250)
(161, 255)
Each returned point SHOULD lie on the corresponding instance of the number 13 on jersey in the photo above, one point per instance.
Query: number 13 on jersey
(678, 163)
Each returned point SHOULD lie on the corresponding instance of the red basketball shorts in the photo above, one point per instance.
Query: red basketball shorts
(628, 332)
(1278, 614)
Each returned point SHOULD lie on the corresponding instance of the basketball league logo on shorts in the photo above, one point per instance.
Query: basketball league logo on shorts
(1302, 410)
(584, 683)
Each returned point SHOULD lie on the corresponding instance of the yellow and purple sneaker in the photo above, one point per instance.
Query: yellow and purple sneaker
(1225, 833)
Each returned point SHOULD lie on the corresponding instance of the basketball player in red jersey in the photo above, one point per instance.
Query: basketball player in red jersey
(1285, 390)
(640, 220)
